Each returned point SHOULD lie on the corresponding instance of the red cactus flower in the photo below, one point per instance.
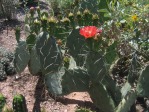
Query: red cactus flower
(88, 31)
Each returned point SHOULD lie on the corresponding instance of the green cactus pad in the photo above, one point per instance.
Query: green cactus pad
(31, 39)
(27, 29)
(143, 83)
(34, 62)
(101, 98)
(125, 89)
(53, 81)
(112, 88)
(111, 54)
(133, 70)
(67, 81)
(75, 80)
(95, 66)
(77, 47)
(49, 53)
(127, 102)
(22, 57)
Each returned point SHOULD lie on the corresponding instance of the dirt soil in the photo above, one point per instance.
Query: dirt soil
(32, 87)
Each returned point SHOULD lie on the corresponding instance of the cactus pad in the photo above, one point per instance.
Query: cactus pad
(22, 57)
(142, 87)
(34, 62)
(49, 54)
(77, 47)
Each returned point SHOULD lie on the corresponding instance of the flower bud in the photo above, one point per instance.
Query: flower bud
(66, 21)
(59, 42)
(79, 14)
(36, 21)
(99, 31)
(52, 20)
(87, 17)
(70, 15)
(38, 8)
(79, 18)
(86, 12)
(44, 18)
(44, 22)
(17, 33)
(66, 60)
(38, 11)
(95, 17)
(98, 34)
(71, 18)
(32, 11)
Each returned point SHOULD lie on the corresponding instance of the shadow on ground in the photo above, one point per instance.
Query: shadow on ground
(41, 96)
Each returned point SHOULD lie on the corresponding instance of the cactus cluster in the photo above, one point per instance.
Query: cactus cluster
(89, 61)
(19, 104)
(7, 9)
(6, 63)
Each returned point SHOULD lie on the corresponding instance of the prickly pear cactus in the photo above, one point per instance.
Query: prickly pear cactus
(6, 63)
(2, 102)
(19, 103)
